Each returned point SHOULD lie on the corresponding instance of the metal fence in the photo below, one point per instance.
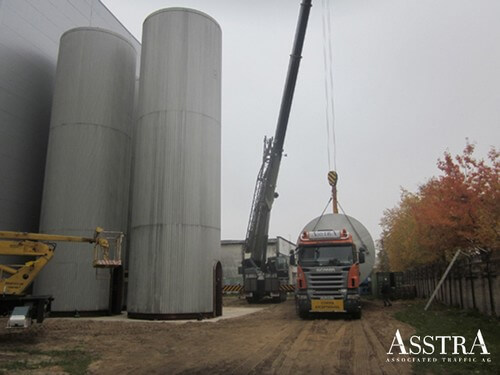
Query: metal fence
(395, 281)
(473, 283)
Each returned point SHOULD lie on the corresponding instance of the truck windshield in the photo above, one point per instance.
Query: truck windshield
(326, 255)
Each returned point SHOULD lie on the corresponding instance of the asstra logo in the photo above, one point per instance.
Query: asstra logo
(444, 348)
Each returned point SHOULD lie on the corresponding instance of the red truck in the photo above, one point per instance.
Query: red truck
(328, 273)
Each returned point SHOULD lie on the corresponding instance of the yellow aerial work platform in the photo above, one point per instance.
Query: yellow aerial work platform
(39, 247)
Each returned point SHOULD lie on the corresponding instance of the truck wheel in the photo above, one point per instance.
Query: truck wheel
(254, 299)
(357, 315)
(282, 297)
(303, 314)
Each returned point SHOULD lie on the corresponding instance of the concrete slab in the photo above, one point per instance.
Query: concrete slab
(227, 313)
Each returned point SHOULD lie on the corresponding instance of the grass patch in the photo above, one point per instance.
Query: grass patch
(74, 362)
(445, 321)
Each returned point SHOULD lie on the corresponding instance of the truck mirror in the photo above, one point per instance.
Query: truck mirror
(361, 257)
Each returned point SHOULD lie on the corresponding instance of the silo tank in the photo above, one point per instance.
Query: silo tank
(360, 236)
(175, 221)
(88, 163)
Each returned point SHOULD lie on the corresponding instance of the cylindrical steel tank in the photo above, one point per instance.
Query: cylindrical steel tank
(360, 235)
(87, 173)
(175, 224)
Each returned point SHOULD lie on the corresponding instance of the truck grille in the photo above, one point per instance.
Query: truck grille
(326, 284)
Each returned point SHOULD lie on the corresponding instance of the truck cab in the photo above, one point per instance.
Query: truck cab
(328, 275)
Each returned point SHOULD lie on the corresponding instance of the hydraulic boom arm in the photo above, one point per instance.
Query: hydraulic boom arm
(265, 189)
(41, 247)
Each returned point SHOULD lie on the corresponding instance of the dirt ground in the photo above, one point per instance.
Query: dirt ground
(271, 341)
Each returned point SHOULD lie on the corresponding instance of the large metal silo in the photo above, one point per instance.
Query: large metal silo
(87, 173)
(175, 225)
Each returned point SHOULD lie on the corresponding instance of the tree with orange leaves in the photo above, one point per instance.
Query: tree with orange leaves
(460, 209)
(401, 236)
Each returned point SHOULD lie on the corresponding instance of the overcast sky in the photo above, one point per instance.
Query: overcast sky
(413, 78)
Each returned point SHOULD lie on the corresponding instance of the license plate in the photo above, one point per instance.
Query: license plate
(327, 305)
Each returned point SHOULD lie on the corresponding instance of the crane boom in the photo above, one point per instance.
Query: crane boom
(262, 276)
(46, 237)
(265, 189)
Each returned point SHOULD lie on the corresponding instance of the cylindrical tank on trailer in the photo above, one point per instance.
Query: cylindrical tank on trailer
(88, 163)
(175, 221)
(360, 235)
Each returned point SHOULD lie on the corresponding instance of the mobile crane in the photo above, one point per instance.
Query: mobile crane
(260, 276)
(40, 249)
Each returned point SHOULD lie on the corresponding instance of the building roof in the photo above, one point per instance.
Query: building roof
(270, 241)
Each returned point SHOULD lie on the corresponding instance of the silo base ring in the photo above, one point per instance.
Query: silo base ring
(180, 316)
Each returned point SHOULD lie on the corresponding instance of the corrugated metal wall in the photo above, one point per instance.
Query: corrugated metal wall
(175, 232)
(88, 162)
(29, 41)
(231, 260)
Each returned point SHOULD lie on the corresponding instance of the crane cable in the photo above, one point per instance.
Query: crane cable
(329, 97)
(348, 220)
(321, 216)
(330, 104)
(354, 229)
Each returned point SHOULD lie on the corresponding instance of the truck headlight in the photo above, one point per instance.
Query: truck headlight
(353, 296)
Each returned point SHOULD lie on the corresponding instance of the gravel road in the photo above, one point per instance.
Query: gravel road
(271, 341)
